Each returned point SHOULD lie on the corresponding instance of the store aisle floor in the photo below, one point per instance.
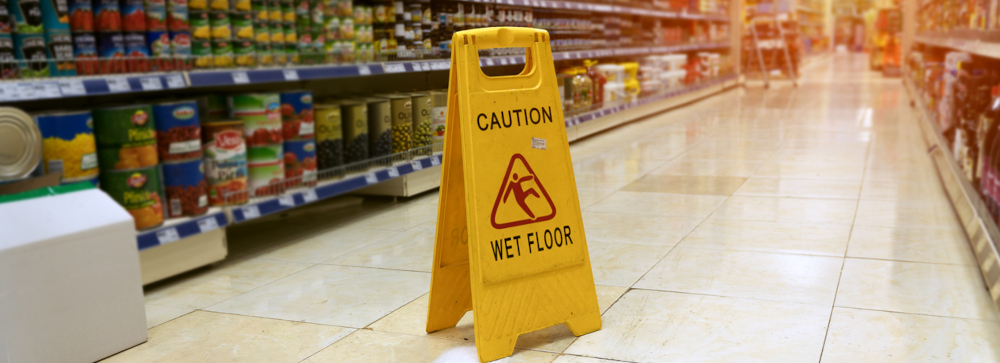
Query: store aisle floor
(791, 225)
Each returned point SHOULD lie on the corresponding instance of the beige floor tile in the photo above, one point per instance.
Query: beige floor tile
(651, 230)
(590, 196)
(653, 326)
(412, 319)
(805, 210)
(207, 288)
(399, 217)
(373, 346)
(156, 315)
(212, 337)
(622, 264)
(686, 184)
(329, 244)
(891, 213)
(601, 181)
(894, 189)
(411, 250)
(810, 170)
(911, 243)
(755, 275)
(334, 295)
(879, 336)
(917, 288)
(800, 188)
(682, 205)
(827, 239)
(578, 359)
(736, 168)
(629, 168)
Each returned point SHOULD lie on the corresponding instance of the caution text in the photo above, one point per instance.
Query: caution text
(533, 242)
(514, 118)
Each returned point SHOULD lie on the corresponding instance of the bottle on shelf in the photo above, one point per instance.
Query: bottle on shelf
(598, 80)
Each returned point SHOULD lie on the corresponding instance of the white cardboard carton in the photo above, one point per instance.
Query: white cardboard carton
(70, 286)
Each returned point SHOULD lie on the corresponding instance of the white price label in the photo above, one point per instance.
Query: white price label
(417, 165)
(440, 66)
(489, 62)
(167, 235)
(371, 178)
(394, 68)
(26, 91)
(309, 195)
(286, 200)
(47, 90)
(424, 66)
(503, 61)
(393, 172)
(241, 78)
(291, 75)
(118, 84)
(537, 143)
(207, 224)
(364, 71)
(250, 212)
(175, 81)
(151, 83)
(72, 87)
(435, 161)
(9, 92)
(307, 128)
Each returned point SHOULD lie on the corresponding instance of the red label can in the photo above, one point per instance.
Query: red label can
(107, 16)
(81, 16)
(133, 14)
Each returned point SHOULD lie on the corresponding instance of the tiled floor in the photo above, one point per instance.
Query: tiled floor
(789, 225)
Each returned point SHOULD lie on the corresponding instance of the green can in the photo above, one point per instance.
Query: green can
(287, 11)
(220, 26)
(222, 53)
(201, 52)
(259, 10)
(242, 24)
(131, 125)
(139, 191)
(421, 119)
(244, 54)
(266, 169)
(200, 25)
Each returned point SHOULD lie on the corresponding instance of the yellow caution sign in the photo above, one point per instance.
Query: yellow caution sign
(510, 244)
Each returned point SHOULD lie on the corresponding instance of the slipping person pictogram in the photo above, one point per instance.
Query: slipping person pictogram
(521, 182)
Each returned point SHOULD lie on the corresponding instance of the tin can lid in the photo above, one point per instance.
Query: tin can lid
(20, 144)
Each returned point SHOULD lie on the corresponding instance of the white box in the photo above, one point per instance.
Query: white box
(70, 286)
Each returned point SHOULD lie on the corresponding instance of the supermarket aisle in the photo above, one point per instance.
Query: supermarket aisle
(783, 225)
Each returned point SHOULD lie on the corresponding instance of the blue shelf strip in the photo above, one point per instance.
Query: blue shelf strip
(589, 116)
(30, 90)
(188, 228)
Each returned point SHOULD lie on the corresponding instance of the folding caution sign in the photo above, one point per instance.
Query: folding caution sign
(510, 244)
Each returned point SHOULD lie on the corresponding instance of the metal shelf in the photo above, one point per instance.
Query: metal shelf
(48, 88)
(966, 41)
(596, 114)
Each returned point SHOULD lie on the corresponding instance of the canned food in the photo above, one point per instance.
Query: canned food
(277, 33)
(138, 191)
(27, 16)
(198, 5)
(243, 53)
(60, 44)
(439, 116)
(274, 11)
(287, 12)
(5, 21)
(85, 52)
(55, 15)
(8, 62)
(379, 127)
(259, 10)
(264, 56)
(222, 53)
(185, 187)
(200, 26)
(20, 144)
(266, 169)
(260, 115)
(156, 15)
(421, 119)
(220, 5)
(180, 44)
(297, 115)
(215, 107)
(220, 25)
(178, 132)
(201, 53)
(241, 5)
(262, 35)
(68, 144)
(158, 43)
(354, 115)
(32, 50)
(242, 25)
(111, 45)
(300, 163)
(125, 136)
(329, 136)
(133, 15)
(402, 122)
(225, 162)
(136, 52)
(178, 15)
(107, 16)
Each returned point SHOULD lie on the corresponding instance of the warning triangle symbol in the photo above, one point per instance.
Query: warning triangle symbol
(522, 198)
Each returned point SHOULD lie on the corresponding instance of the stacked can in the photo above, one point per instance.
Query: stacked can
(179, 27)
(157, 38)
(68, 145)
(134, 27)
(221, 33)
(55, 20)
(439, 116)
(354, 118)
(405, 35)
(201, 33)
(261, 15)
(422, 109)
(341, 30)
(29, 37)
(126, 154)
(329, 137)
(225, 162)
(402, 122)
(288, 29)
(262, 127)
(244, 52)
(299, 137)
(178, 139)
(384, 29)
(303, 31)
(379, 127)
(276, 31)
(317, 9)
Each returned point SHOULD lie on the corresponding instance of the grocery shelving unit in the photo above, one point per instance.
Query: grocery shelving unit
(185, 243)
